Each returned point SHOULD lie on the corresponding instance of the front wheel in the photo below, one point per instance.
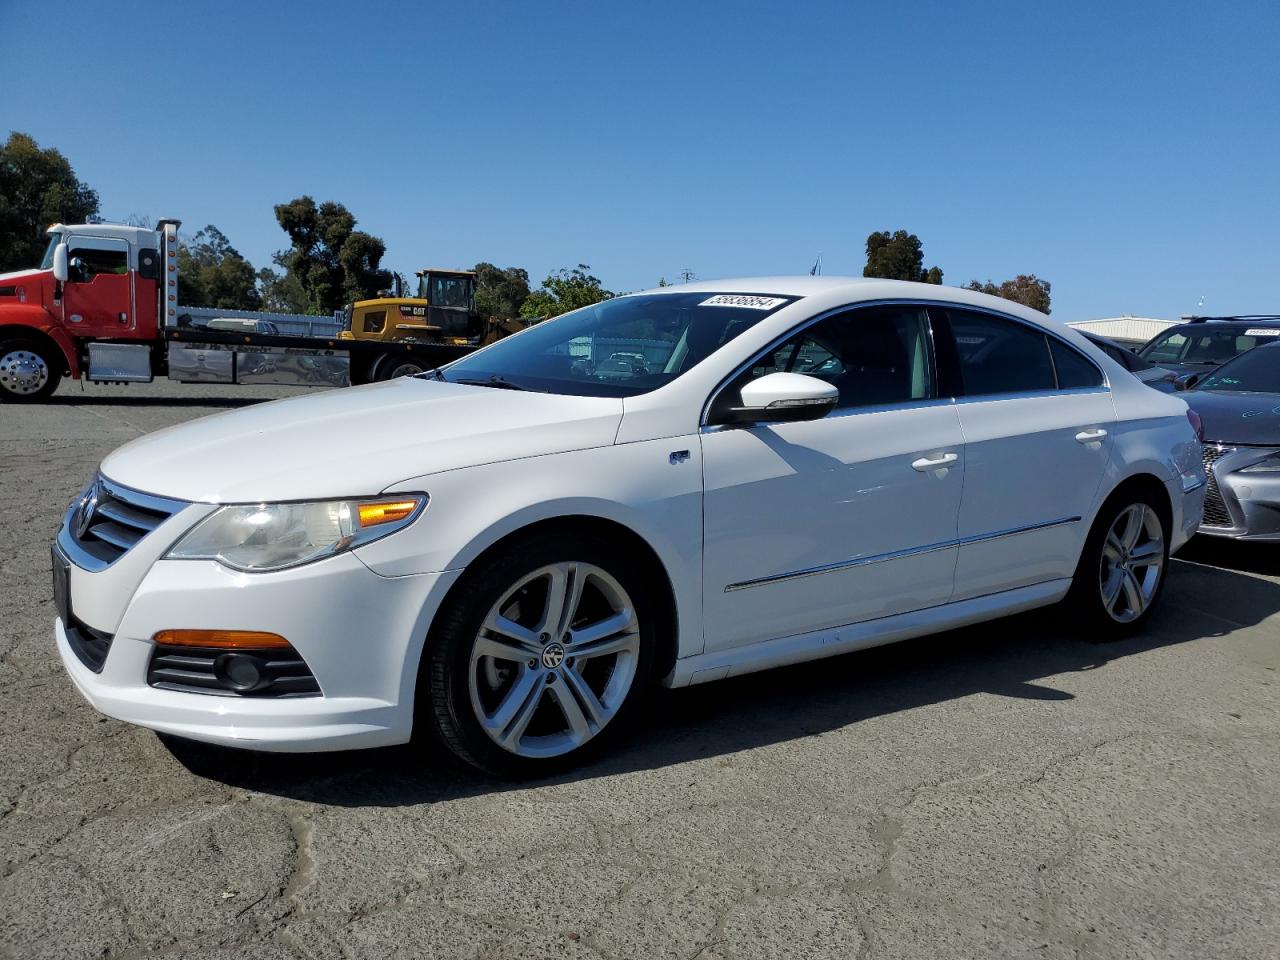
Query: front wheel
(1122, 569)
(539, 656)
(27, 373)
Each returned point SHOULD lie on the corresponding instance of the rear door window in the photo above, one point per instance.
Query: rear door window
(999, 356)
(1074, 372)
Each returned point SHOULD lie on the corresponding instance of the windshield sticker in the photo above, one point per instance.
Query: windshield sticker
(1261, 332)
(742, 300)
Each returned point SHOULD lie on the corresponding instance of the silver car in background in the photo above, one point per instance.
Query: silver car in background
(1239, 407)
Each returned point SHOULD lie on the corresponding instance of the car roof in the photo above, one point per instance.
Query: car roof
(852, 289)
(1220, 326)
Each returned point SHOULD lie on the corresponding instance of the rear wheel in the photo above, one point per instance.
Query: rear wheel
(539, 656)
(407, 366)
(27, 373)
(1122, 569)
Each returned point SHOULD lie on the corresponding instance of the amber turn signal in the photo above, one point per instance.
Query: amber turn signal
(224, 639)
(372, 514)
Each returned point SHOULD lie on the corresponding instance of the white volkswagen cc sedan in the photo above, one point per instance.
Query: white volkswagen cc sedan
(669, 487)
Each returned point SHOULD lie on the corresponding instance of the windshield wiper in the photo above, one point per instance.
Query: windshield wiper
(435, 373)
(495, 381)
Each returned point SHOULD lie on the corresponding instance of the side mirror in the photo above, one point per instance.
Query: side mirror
(784, 397)
(1186, 381)
(60, 268)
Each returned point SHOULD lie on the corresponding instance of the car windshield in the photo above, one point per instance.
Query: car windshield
(1203, 345)
(618, 348)
(1257, 371)
(46, 262)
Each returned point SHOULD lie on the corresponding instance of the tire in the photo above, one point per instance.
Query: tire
(536, 699)
(1123, 566)
(408, 366)
(28, 374)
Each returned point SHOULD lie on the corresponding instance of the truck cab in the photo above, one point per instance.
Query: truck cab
(94, 296)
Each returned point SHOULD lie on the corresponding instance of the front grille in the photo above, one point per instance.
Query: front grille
(89, 645)
(1216, 513)
(280, 673)
(117, 519)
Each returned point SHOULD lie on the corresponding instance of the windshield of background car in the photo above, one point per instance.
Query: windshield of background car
(46, 262)
(618, 348)
(1257, 371)
(1206, 345)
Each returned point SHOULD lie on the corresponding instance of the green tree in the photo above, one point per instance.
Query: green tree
(898, 256)
(1025, 288)
(37, 188)
(214, 274)
(499, 292)
(331, 261)
(280, 289)
(563, 291)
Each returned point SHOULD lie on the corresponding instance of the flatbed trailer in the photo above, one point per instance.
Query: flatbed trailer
(196, 355)
(103, 306)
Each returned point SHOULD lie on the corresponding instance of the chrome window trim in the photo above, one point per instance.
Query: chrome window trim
(1030, 395)
(910, 302)
(805, 325)
(897, 554)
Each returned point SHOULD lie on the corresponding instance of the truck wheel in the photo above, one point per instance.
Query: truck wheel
(27, 374)
(407, 366)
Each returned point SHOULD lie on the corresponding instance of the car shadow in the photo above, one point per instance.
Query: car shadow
(1012, 657)
(1246, 557)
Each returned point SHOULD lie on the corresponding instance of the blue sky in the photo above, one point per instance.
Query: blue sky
(1126, 152)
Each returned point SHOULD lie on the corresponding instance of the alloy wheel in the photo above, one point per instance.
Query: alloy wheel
(554, 660)
(1132, 562)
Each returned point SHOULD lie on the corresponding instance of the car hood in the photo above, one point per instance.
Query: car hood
(357, 441)
(1230, 417)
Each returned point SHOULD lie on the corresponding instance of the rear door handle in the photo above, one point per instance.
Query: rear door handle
(1095, 435)
(925, 464)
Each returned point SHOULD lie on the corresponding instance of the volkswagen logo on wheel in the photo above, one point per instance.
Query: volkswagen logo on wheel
(552, 655)
(84, 515)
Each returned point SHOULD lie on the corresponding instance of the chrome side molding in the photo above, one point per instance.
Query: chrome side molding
(897, 554)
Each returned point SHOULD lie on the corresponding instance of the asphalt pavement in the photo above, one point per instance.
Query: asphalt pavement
(1009, 790)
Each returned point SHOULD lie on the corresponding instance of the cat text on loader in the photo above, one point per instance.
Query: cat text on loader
(443, 312)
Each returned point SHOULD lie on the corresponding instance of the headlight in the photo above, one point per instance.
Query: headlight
(1269, 465)
(274, 536)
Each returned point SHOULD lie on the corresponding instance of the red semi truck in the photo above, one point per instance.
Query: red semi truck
(103, 306)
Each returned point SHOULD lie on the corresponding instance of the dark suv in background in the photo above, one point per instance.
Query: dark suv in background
(1203, 343)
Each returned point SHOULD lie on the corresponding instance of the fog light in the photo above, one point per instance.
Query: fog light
(239, 672)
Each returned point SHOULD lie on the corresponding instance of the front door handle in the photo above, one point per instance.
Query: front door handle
(940, 462)
(1096, 435)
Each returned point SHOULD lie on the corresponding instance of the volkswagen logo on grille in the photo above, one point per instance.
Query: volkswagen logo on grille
(552, 655)
(84, 515)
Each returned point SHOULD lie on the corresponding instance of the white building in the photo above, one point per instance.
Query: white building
(1127, 331)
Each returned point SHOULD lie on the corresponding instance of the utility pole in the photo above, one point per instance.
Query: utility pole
(686, 275)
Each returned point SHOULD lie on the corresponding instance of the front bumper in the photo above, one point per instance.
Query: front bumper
(361, 634)
(1241, 506)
